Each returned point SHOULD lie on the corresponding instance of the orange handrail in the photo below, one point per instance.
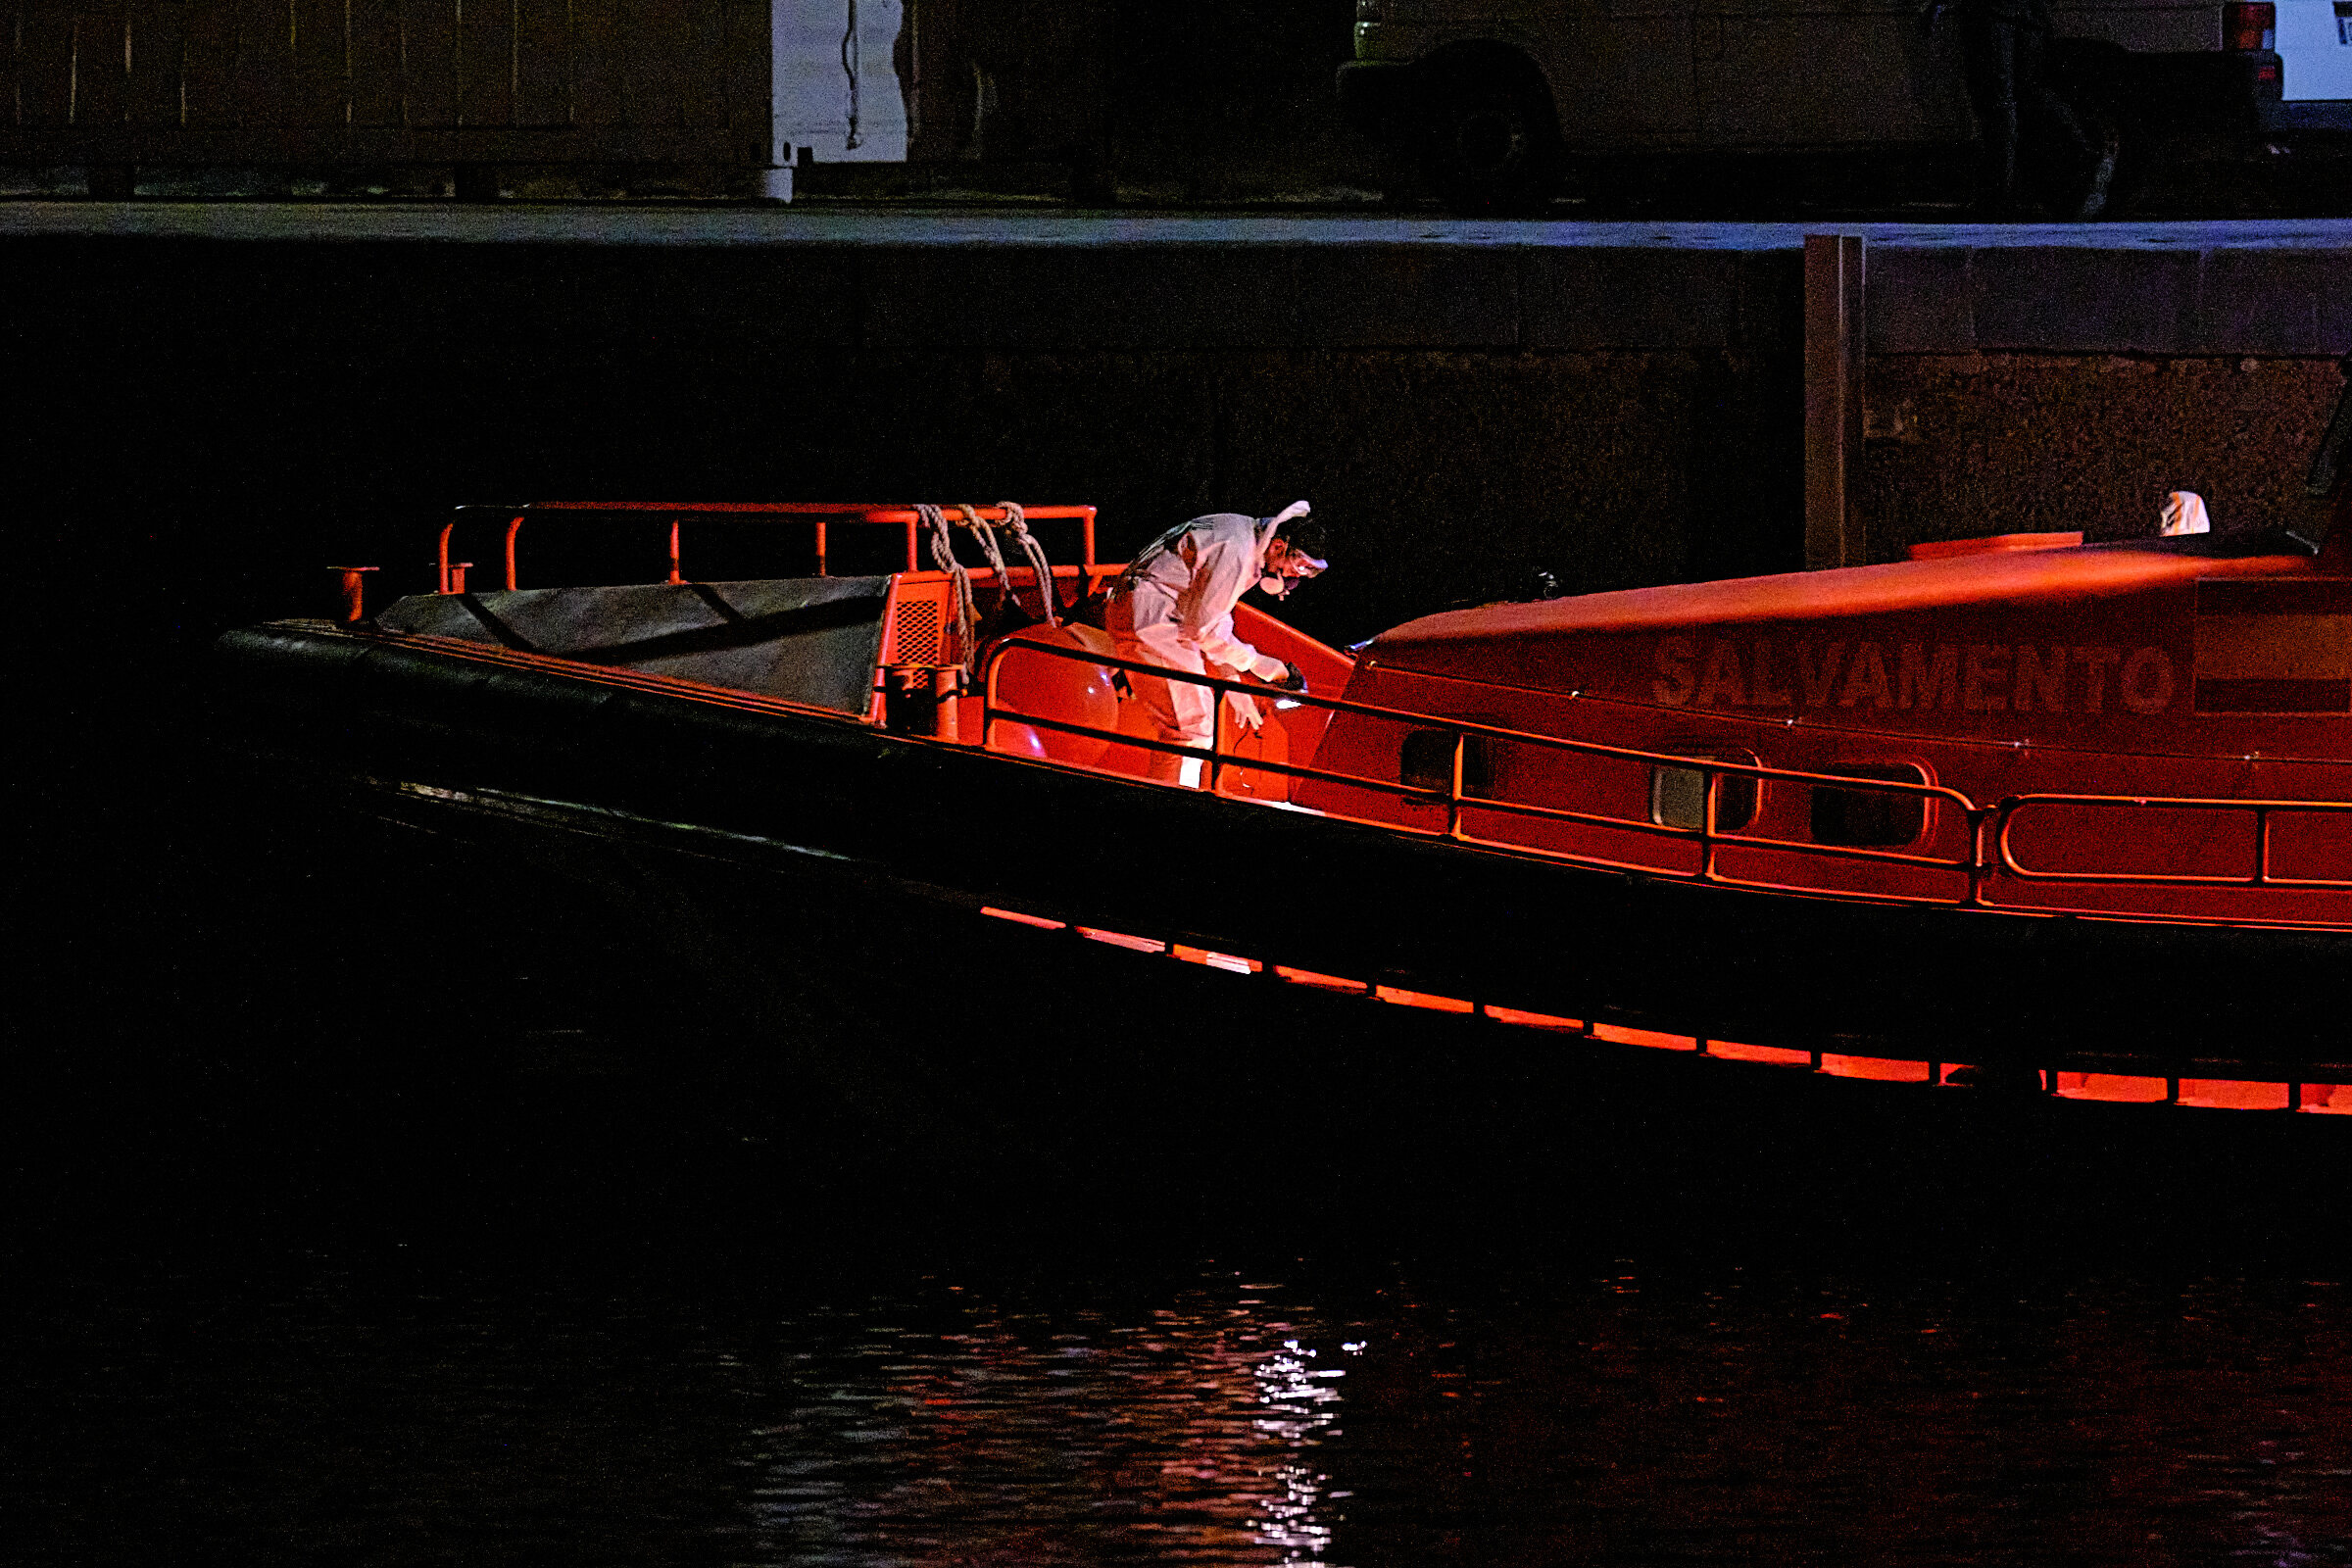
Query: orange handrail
(2006, 816)
(1975, 864)
(817, 513)
(1455, 797)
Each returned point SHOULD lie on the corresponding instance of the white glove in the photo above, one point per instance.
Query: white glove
(1265, 667)
(1245, 710)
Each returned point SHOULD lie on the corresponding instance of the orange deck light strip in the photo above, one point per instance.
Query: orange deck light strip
(1779, 1055)
(1882, 1070)
(1120, 939)
(2231, 1094)
(1036, 920)
(1403, 998)
(2120, 1088)
(1228, 961)
(1323, 982)
(1644, 1037)
(1534, 1020)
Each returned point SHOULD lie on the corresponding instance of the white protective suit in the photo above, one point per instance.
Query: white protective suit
(1175, 608)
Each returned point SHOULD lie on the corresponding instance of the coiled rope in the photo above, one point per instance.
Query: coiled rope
(989, 547)
(943, 556)
(1018, 523)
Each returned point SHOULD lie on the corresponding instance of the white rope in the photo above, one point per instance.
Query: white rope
(989, 547)
(943, 556)
(1018, 523)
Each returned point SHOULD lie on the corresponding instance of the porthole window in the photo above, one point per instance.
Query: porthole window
(1869, 818)
(1678, 796)
(1427, 761)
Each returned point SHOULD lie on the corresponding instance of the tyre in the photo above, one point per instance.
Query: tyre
(1493, 147)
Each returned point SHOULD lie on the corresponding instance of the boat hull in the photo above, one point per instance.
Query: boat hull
(918, 824)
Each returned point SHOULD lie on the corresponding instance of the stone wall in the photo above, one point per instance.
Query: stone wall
(1972, 443)
(215, 406)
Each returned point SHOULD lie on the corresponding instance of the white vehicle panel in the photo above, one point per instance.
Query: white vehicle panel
(2315, 39)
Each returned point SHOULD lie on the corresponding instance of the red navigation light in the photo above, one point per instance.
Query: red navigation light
(2250, 24)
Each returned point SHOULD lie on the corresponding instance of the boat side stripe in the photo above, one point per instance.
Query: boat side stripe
(2287, 596)
(2292, 648)
(2273, 646)
(2274, 696)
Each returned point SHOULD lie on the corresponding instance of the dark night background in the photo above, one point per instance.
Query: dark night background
(362, 1210)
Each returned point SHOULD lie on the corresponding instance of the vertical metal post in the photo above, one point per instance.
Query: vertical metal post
(1979, 867)
(1216, 739)
(946, 684)
(1833, 356)
(354, 591)
(988, 699)
(1454, 794)
(820, 547)
(673, 551)
(514, 527)
(1706, 837)
(911, 559)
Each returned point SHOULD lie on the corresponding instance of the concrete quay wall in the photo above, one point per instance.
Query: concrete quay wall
(1467, 403)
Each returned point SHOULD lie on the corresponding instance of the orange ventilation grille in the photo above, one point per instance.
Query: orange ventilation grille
(914, 633)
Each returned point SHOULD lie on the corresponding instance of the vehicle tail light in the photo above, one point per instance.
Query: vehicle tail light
(2250, 24)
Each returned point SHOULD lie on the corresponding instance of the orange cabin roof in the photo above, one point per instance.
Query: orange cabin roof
(1466, 641)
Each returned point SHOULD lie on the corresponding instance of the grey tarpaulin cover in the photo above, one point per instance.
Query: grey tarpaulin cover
(809, 639)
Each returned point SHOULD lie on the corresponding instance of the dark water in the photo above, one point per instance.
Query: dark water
(578, 1303)
(397, 1405)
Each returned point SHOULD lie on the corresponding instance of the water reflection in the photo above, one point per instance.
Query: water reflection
(1622, 1416)
(1302, 1397)
(953, 1423)
(1596, 1413)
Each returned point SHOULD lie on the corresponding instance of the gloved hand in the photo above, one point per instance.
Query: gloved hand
(1266, 667)
(1245, 709)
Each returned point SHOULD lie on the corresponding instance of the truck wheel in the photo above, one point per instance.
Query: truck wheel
(1491, 146)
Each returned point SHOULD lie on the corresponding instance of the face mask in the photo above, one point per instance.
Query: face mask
(1278, 584)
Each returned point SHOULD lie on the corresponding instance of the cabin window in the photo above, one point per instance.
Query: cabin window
(1869, 817)
(1427, 761)
(1678, 796)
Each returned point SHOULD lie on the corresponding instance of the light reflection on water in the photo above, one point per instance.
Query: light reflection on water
(1194, 1432)
(1619, 1418)
(1148, 1414)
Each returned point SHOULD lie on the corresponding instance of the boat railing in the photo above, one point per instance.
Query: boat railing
(2258, 875)
(819, 516)
(1454, 795)
(1985, 828)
